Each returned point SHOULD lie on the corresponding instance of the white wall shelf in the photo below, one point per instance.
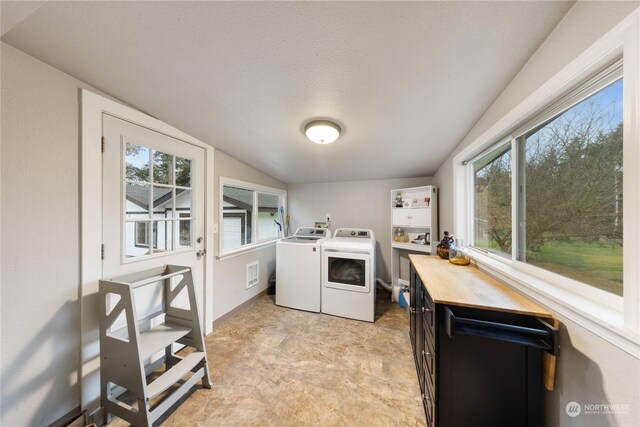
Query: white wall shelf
(418, 217)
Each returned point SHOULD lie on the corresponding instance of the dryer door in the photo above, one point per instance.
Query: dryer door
(347, 271)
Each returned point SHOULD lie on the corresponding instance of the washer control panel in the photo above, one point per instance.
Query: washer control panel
(353, 233)
(311, 231)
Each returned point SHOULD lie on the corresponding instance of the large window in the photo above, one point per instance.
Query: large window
(250, 214)
(569, 174)
(571, 197)
(547, 196)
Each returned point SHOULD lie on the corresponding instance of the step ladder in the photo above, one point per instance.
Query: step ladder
(126, 351)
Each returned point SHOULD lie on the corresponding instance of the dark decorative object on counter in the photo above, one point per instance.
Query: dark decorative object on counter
(443, 246)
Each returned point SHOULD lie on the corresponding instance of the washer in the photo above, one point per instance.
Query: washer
(298, 261)
(348, 274)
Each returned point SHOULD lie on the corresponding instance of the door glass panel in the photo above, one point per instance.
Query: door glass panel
(157, 201)
(268, 205)
(183, 172)
(347, 271)
(184, 232)
(137, 201)
(137, 166)
(162, 168)
(183, 202)
(162, 202)
(137, 238)
(162, 236)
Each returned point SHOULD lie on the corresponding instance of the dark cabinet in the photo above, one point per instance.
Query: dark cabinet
(423, 333)
(476, 366)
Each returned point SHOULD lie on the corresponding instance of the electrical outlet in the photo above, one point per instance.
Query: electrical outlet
(328, 216)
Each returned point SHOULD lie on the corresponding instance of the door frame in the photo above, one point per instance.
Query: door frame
(92, 108)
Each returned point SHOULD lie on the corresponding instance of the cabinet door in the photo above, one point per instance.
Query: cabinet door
(412, 305)
(401, 217)
(419, 333)
(420, 217)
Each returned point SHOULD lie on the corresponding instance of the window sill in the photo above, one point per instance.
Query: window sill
(600, 319)
(245, 249)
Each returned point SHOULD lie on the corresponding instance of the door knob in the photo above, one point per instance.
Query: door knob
(201, 252)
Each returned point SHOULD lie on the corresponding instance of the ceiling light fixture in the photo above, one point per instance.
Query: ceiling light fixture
(322, 131)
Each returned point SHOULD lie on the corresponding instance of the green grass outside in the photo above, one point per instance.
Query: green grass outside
(591, 263)
(594, 264)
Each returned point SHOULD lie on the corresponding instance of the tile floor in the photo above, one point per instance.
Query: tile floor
(273, 366)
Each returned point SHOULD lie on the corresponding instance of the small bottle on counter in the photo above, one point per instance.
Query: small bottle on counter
(459, 254)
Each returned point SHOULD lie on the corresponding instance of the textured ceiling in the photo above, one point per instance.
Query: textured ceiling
(405, 80)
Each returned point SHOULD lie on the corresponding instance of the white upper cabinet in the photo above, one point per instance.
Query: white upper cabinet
(412, 217)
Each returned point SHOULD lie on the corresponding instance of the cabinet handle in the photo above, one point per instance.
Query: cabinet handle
(427, 398)
(423, 352)
(413, 310)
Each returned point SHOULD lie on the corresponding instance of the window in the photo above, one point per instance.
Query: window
(570, 154)
(568, 171)
(158, 185)
(492, 183)
(571, 192)
(237, 210)
(268, 206)
(250, 214)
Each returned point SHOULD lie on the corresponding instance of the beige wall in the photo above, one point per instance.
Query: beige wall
(40, 315)
(590, 369)
(361, 204)
(229, 275)
(40, 228)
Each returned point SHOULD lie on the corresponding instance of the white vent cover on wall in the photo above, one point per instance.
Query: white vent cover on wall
(252, 274)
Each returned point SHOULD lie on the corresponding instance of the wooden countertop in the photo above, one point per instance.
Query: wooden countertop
(467, 286)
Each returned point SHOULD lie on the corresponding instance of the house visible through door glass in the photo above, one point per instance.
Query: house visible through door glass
(157, 192)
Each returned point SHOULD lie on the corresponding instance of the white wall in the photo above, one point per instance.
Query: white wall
(361, 204)
(229, 275)
(39, 201)
(39, 314)
(590, 369)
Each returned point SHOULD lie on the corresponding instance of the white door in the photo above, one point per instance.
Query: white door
(153, 207)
